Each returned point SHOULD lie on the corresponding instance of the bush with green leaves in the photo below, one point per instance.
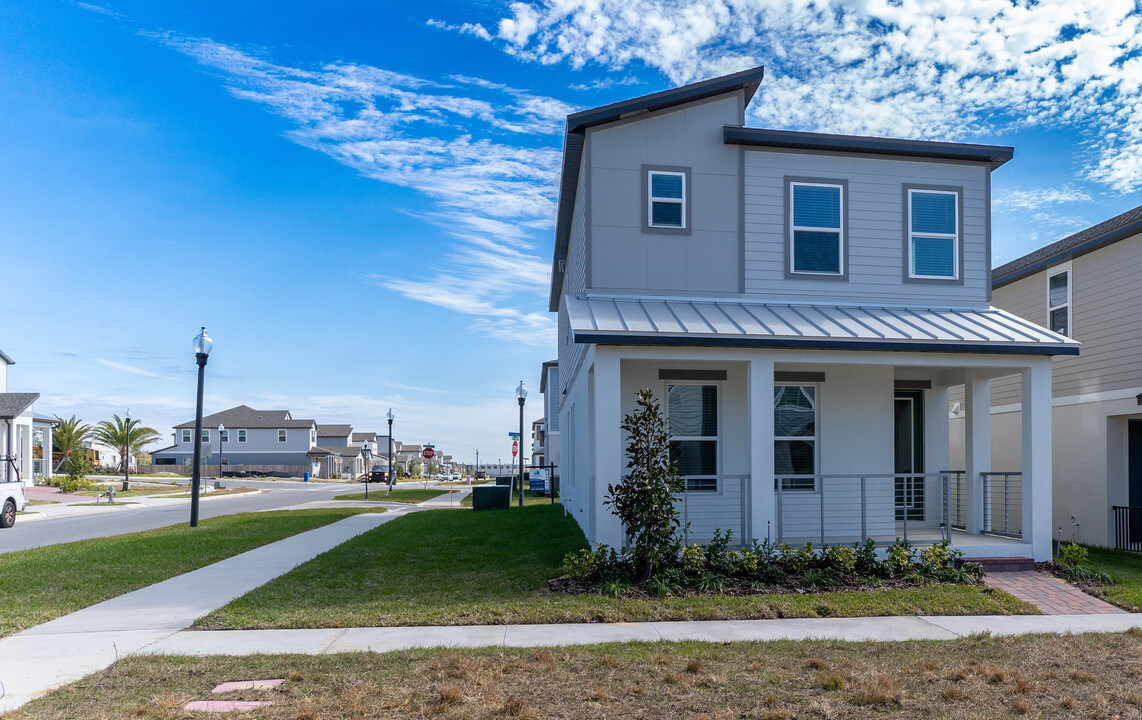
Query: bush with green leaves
(644, 500)
(838, 557)
(693, 559)
(580, 564)
(901, 557)
(745, 562)
(718, 558)
(797, 559)
(1072, 554)
(936, 560)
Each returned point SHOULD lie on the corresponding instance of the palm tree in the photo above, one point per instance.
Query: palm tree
(126, 436)
(68, 438)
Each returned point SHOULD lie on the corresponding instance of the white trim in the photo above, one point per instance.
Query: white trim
(283, 435)
(242, 435)
(1064, 401)
(186, 436)
(651, 199)
(839, 229)
(954, 237)
(1068, 305)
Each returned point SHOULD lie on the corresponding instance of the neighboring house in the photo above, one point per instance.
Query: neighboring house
(1086, 287)
(102, 455)
(549, 388)
(251, 439)
(18, 427)
(335, 435)
(800, 304)
(538, 438)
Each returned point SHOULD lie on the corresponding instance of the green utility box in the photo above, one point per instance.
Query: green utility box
(491, 497)
(508, 480)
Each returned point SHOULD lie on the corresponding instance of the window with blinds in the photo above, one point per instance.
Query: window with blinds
(816, 242)
(1059, 301)
(933, 234)
(666, 199)
(692, 419)
(795, 435)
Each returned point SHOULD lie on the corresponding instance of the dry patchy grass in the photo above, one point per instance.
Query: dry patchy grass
(979, 677)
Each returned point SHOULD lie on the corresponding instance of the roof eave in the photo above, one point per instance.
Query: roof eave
(1095, 243)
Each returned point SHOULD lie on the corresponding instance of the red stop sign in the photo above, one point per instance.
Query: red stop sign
(428, 453)
(515, 447)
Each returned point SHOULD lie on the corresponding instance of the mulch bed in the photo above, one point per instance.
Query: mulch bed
(736, 587)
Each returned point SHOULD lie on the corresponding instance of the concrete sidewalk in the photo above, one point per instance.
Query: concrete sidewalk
(66, 649)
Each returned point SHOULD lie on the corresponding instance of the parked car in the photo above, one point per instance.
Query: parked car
(12, 495)
(455, 476)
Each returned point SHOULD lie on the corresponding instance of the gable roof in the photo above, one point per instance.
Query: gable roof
(578, 124)
(244, 416)
(543, 374)
(12, 404)
(363, 436)
(1097, 236)
(334, 430)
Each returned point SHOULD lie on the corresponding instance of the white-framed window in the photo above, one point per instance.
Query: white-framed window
(241, 436)
(186, 436)
(312, 436)
(933, 234)
(816, 228)
(692, 421)
(205, 436)
(1059, 299)
(795, 435)
(225, 435)
(281, 436)
(666, 199)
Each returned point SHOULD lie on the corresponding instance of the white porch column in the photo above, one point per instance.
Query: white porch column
(26, 454)
(608, 442)
(977, 446)
(761, 501)
(1037, 457)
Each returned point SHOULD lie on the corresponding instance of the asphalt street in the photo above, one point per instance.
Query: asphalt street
(276, 495)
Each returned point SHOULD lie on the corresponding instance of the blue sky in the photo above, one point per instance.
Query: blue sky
(357, 198)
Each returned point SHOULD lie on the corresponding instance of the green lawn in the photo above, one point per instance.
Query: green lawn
(443, 567)
(1126, 569)
(44, 583)
(409, 495)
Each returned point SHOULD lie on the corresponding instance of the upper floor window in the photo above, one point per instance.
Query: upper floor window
(281, 436)
(241, 436)
(1059, 301)
(933, 225)
(225, 435)
(666, 203)
(205, 436)
(692, 418)
(186, 436)
(816, 228)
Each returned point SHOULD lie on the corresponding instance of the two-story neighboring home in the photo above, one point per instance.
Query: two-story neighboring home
(18, 426)
(549, 389)
(800, 304)
(1085, 286)
(252, 440)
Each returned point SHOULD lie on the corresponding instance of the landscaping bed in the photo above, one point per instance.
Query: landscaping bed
(407, 495)
(1092, 675)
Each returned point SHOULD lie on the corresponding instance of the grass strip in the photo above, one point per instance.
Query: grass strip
(442, 567)
(1126, 569)
(1041, 676)
(48, 582)
(408, 495)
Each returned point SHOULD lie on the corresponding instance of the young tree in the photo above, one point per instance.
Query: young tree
(644, 499)
(68, 439)
(126, 436)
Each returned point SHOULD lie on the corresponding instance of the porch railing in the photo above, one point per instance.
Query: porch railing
(956, 507)
(720, 505)
(1003, 503)
(840, 508)
(1127, 528)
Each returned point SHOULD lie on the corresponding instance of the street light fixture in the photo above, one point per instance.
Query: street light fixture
(127, 455)
(521, 395)
(390, 417)
(367, 451)
(221, 429)
(202, 346)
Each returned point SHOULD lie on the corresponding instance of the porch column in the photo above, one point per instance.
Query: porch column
(761, 501)
(608, 442)
(26, 452)
(977, 446)
(1036, 420)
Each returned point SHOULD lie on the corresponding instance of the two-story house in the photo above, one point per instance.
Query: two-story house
(549, 389)
(800, 303)
(253, 440)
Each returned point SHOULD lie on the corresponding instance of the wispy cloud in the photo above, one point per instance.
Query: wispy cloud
(883, 67)
(130, 369)
(486, 154)
(1038, 198)
(474, 29)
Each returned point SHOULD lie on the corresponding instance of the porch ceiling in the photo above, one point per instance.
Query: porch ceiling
(616, 320)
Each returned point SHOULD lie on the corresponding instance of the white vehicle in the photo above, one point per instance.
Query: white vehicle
(12, 495)
(455, 476)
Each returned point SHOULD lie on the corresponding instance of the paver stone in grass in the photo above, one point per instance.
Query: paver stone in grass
(248, 685)
(225, 706)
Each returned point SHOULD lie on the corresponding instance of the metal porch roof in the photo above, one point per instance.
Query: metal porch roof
(746, 323)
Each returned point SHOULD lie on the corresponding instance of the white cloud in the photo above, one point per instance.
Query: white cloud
(474, 29)
(1037, 198)
(130, 369)
(942, 69)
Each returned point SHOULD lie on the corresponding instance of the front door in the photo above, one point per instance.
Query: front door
(909, 453)
(1134, 429)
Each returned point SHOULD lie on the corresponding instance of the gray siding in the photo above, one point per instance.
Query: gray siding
(624, 257)
(574, 283)
(876, 242)
(551, 400)
(1106, 317)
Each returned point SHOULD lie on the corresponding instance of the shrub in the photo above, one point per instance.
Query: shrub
(797, 560)
(1072, 554)
(824, 577)
(901, 556)
(717, 556)
(838, 557)
(693, 559)
(771, 575)
(613, 588)
(866, 561)
(767, 552)
(745, 562)
(938, 559)
(667, 582)
(711, 583)
(580, 564)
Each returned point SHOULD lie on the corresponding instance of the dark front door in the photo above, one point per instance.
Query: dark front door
(1134, 429)
(909, 453)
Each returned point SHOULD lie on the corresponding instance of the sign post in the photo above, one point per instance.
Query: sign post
(427, 453)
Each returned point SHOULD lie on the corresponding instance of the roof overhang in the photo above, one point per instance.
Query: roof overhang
(746, 324)
(993, 155)
(5, 359)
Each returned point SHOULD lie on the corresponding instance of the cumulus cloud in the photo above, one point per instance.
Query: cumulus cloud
(474, 29)
(941, 69)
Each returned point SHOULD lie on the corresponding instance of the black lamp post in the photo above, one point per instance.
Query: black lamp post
(367, 451)
(521, 395)
(221, 429)
(202, 345)
(392, 475)
(127, 455)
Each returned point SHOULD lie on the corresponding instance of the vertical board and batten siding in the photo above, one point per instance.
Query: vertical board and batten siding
(551, 401)
(574, 283)
(876, 239)
(1105, 316)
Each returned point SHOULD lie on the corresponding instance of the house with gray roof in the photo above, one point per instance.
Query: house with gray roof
(801, 305)
(249, 440)
(18, 427)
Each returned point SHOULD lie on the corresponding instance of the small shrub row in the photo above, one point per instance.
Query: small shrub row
(713, 567)
(1072, 565)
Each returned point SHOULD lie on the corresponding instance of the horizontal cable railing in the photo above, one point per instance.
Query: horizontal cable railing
(1127, 528)
(1003, 503)
(715, 502)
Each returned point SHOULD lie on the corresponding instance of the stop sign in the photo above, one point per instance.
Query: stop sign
(428, 453)
(515, 447)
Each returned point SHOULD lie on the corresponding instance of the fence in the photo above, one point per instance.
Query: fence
(1127, 528)
(1002, 502)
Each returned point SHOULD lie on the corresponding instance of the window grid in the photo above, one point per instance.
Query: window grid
(205, 436)
(225, 435)
(281, 436)
(809, 393)
(929, 240)
(815, 234)
(186, 436)
(708, 442)
(666, 199)
(241, 436)
(1059, 301)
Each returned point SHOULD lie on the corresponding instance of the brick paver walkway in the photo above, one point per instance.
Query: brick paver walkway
(1049, 593)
